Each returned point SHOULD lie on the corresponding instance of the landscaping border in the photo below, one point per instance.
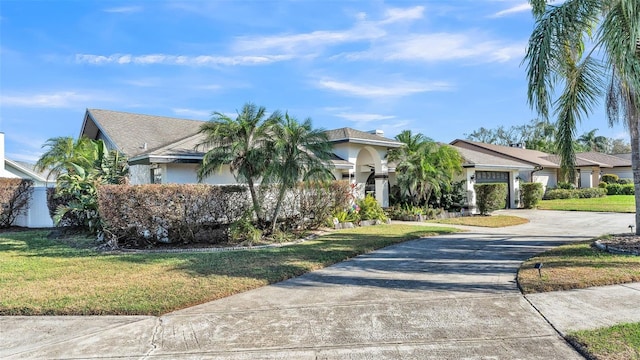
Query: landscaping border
(614, 250)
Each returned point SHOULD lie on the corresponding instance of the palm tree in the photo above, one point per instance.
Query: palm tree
(243, 143)
(424, 166)
(590, 48)
(300, 153)
(62, 152)
(591, 142)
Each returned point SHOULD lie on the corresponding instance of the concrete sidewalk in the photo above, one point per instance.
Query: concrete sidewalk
(446, 297)
(588, 309)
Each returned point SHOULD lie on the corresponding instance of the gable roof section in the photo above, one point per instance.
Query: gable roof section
(130, 132)
(531, 157)
(473, 158)
(360, 137)
(25, 171)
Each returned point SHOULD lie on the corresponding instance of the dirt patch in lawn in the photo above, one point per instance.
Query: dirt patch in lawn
(626, 242)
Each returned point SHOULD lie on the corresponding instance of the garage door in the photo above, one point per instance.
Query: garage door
(485, 177)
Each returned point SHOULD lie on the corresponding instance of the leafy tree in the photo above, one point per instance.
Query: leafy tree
(300, 152)
(243, 143)
(537, 135)
(589, 48)
(619, 146)
(63, 152)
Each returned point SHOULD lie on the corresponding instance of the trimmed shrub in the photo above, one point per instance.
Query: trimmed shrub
(370, 209)
(566, 186)
(610, 178)
(147, 215)
(619, 189)
(625, 181)
(531, 194)
(14, 199)
(554, 194)
(490, 197)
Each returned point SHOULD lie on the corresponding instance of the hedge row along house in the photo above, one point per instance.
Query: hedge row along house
(163, 150)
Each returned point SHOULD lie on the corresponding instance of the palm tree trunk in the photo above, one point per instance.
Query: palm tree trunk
(254, 199)
(634, 127)
(276, 212)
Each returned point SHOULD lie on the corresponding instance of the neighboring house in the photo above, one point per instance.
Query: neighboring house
(164, 150)
(510, 164)
(37, 212)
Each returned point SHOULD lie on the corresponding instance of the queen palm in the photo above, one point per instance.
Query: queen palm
(300, 153)
(243, 143)
(591, 49)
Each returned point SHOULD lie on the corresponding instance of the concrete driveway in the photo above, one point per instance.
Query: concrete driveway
(450, 297)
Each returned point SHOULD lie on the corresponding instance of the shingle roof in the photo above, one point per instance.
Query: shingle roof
(533, 157)
(477, 158)
(600, 158)
(129, 132)
(626, 156)
(356, 136)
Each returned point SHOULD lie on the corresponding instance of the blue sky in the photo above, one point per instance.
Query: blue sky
(440, 67)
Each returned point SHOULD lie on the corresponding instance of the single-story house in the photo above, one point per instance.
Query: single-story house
(37, 212)
(512, 164)
(164, 150)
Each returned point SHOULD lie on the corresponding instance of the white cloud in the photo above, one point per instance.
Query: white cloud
(364, 118)
(179, 60)
(27, 156)
(313, 42)
(513, 10)
(124, 9)
(400, 14)
(442, 47)
(192, 113)
(61, 99)
(397, 89)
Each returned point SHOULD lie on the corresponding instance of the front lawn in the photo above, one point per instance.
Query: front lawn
(616, 342)
(577, 266)
(610, 203)
(39, 276)
(484, 221)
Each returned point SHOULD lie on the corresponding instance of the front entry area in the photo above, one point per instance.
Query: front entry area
(486, 177)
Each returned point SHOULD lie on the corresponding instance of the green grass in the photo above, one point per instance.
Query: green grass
(616, 342)
(39, 276)
(484, 221)
(577, 266)
(611, 203)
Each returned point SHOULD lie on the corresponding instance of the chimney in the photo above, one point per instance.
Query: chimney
(376, 132)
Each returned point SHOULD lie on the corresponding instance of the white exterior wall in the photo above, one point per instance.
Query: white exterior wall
(547, 177)
(187, 174)
(586, 177)
(622, 172)
(139, 174)
(37, 214)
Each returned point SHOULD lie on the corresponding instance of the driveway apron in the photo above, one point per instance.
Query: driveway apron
(448, 297)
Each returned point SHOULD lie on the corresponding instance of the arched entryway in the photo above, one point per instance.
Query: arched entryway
(371, 171)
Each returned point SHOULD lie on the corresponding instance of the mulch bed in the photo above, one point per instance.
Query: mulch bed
(627, 242)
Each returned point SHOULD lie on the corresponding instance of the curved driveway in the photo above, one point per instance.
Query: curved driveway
(448, 297)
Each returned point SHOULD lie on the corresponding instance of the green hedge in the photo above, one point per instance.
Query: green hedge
(531, 194)
(490, 197)
(619, 189)
(553, 194)
(610, 178)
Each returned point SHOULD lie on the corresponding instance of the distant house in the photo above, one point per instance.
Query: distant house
(37, 213)
(512, 164)
(163, 150)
